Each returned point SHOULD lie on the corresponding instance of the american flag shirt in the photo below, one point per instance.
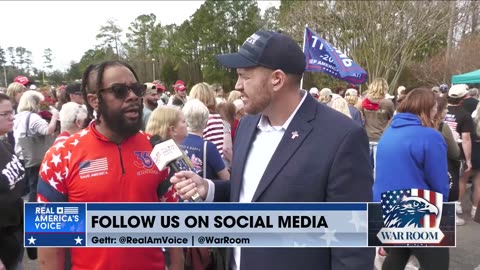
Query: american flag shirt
(459, 120)
(87, 167)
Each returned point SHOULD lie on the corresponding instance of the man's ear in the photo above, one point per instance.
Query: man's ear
(92, 100)
(278, 78)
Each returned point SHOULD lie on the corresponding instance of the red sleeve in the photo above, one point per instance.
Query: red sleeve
(171, 194)
(53, 174)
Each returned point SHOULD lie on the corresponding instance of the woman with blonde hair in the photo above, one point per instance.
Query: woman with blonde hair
(168, 122)
(234, 95)
(204, 155)
(351, 96)
(341, 105)
(28, 122)
(215, 129)
(376, 109)
(14, 92)
(325, 96)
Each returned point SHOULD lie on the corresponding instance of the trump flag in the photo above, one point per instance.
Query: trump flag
(321, 56)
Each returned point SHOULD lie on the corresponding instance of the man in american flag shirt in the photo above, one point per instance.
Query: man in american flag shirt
(106, 162)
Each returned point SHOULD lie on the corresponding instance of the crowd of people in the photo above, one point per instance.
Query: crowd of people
(259, 143)
(456, 119)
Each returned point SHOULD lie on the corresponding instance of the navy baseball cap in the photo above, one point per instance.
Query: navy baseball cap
(268, 49)
(73, 88)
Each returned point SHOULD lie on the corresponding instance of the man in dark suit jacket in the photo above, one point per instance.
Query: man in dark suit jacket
(290, 148)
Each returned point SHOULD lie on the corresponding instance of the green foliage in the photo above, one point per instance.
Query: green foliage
(3, 59)
(220, 27)
(168, 74)
(56, 77)
(139, 45)
(74, 72)
(270, 19)
(11, 54)
(110, 35)
(92, 56)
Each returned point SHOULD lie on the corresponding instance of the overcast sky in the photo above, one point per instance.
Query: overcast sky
(69, 27)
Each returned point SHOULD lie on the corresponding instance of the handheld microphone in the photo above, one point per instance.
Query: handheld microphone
(166, 153)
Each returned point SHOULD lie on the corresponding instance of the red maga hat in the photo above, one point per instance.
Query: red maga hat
(179, 82)
(21, 79)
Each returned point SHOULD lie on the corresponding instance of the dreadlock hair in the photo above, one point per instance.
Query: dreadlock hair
(88, 87)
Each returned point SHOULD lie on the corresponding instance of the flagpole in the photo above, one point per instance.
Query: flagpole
(304, 38)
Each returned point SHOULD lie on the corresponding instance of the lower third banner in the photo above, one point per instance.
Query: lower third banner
(404, 218)
(196, 225)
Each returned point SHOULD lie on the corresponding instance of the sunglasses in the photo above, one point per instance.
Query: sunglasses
(121, 90)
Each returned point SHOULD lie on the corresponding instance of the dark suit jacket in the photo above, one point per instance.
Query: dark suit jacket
(327, 162)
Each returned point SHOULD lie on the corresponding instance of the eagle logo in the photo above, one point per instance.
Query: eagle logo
(411, 217)
(411, 208)
(409, 212)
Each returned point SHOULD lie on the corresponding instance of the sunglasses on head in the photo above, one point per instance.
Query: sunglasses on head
(121, 90)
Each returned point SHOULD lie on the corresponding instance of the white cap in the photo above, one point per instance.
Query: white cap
(458, 91)
(313, 91)
(33, 87)
(351, 92)
(325, 92)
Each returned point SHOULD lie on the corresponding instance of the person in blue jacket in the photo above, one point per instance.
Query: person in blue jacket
(412, 154)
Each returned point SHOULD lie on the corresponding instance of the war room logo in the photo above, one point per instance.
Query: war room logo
(411, 216)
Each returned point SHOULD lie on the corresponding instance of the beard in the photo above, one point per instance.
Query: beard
(260, 101)
(152, 104)
(118, 122)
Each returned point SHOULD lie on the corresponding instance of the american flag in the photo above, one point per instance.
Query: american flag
(93, 166)
(391, 199)
(183, 165)
(451, 121)
(70, 210)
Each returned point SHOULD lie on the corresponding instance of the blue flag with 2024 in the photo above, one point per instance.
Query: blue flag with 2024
(321, 56)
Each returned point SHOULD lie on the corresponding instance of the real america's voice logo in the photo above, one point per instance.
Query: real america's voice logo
(411, 216)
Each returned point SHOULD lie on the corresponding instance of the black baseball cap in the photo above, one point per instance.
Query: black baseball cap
(268, 49)
(73, 88)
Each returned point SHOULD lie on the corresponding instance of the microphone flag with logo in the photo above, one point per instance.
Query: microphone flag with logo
(321, 56)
